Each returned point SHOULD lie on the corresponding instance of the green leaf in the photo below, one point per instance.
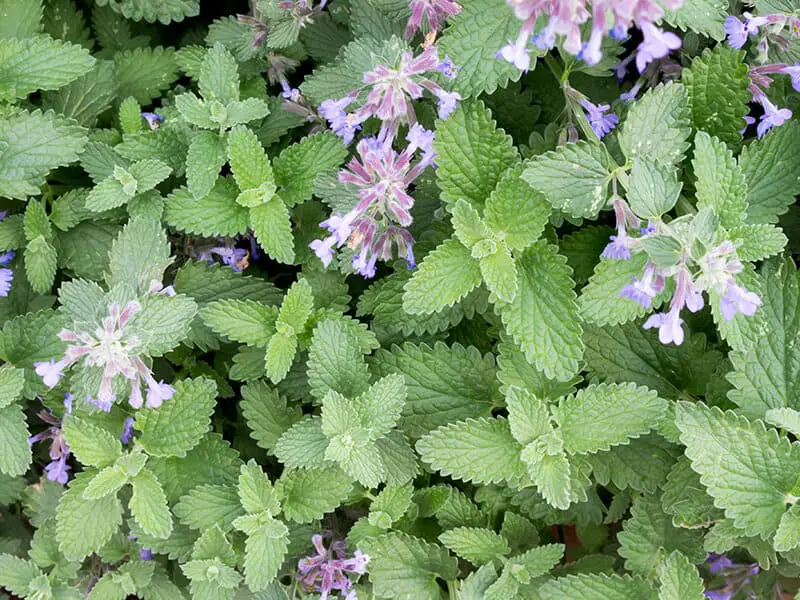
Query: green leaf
(770, 168)
(558, 481)
(308, 494)
(245, 321)
(528, 416)
(39, 63)
(471, 154)
(84, 527)
(394, 501)
(86, 98)
(20, 20)
(16, 573)
(649, 535)
(500, 274)
(445, 384)
(604, 415)
(297, 167)
(281, 351)
(207, 506)
(380, 406)
(108, 481)
(680, 579)
(654, 189)
(720, 182)
(747, 469)
(787, 537)
(784, 418)
(15, 452)
(596, 586)
(543, 317)
(516, 212)
(767, 365)
(163, 11)
(472, 41)
(478, 450)
(249, 161)
(203, 162)
(272, 226)
(219, 75)
(705, 17)
(303, 445)
(255, 490)
(177, 425)
(145, 72)
(658, 125)
(91, 445)
(406, 568)
(335, 361)
(641, 465)
(478, 546)
(717, 84)
(444, 277)
(757, 242)
(139, 255)
(685, 498)
(33, 144)
(266, 413)
(163, 323)
(40, 264)
(11, 383)
(588, 168)
(149, 505)
(264, 553)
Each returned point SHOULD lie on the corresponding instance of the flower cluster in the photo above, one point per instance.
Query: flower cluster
(383, 211)
(773, 25)
(735, 576)
(382, 175)
(434, 12)
(57, 470)
(6, 274)
(713, 271)
(565, 18)
(326, 570)
(391, 91)
(113, 348)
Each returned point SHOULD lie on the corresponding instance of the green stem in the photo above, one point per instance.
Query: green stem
(452, 588)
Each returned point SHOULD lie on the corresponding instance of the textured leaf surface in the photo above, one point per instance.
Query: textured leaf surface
(747, 468)
(587, 167)
(657, 126)
(477, 450)
(406, 567)
(680, 579)
(149, 505)
(478, 546)
(445, 384)
(717, 85)
(770, 166)
(444, 277)
(604, 415)
(596, 586)
(720, 182)
(15, 452)
(177, 425)
(472, 41)
(543, 317)
(472, 154)
(307, 495)
(84, 527)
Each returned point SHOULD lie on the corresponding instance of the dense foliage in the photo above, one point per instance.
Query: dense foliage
(388, 299)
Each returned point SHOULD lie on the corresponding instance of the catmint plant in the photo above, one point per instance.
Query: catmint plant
(415, 299)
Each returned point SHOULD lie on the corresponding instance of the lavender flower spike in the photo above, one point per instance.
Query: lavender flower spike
(153, 120)
(434, 11)
(325, 571)
(738, 300)
(645, 289)
(58, 469)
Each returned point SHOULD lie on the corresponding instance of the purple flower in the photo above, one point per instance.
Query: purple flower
(145, 554)
(719, 594)
(718, 563)
(157, 393)
(618, 249)
(333, 111)
(772, 117)
(736, 31)
(643, 291)
(694, 298)
(748, 120)
(601, 122)
(657, 44)
(153, 120)
(434, 11)
(738, 300)
(517, 52)
(631, 94)
(127, 430)
(58, 469)
(794, 73)
(447, 68)
(6, 275)
(326, 571)
(50, 372)
(669, 326)
(324, 249)
(447, 103)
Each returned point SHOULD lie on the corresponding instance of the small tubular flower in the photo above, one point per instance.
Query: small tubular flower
(327, 570)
